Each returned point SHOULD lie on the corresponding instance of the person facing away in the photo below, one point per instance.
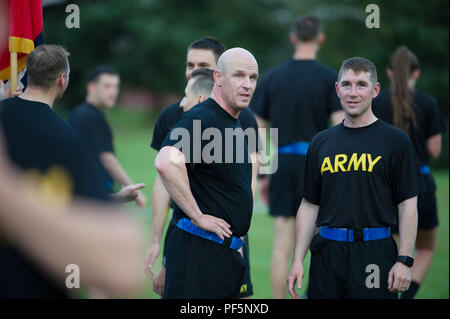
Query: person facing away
(418, 115)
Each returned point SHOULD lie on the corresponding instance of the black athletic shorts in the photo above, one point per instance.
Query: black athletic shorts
(200, 268)
(426, 206)
(284, 199)
(246, 289)
(346, 270)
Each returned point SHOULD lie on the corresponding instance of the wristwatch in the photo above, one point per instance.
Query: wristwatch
(406, 260)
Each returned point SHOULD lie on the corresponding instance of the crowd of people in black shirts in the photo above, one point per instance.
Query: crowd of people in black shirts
(357, 193)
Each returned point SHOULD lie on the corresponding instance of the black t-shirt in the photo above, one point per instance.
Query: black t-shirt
(221, 186)
(429, 119)
(37, 139)
(166, 119)
(297, 97)
(358, 176)
(93, 129)
(172, 113)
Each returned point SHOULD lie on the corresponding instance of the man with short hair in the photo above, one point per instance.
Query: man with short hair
(88, 121)
(296, 97)
(213, 200)
(43, 145)
(201, 57)
(198, 88)
(360, 177)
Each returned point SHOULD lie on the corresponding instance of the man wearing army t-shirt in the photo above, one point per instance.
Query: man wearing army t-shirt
(296, 97)
(359, 176)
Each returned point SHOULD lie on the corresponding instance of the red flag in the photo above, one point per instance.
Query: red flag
(25, 33)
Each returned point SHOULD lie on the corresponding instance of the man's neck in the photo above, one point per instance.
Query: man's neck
(94, 103)
(306, 51)
(362, 120)
(217, 96)
(39, 95)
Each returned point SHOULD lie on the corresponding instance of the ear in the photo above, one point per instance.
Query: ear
(376, 90)
(389, 73)
(321, 38)
(217, 77)
(292, 38)
(416, 74)
(62, 79)
(336, 86)
(88, 86)
(201, 98)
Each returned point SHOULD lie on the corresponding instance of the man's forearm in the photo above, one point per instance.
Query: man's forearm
(115, 169)
(160, 209)
(305, 227)
(262, 130)
(407, 220)
(174, 176)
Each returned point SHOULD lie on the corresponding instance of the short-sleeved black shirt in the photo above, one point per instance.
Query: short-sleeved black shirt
(220, 189)
(297, 97)
(429, 119)
(38, 139)
(166, 119)
(358, 176)
(93, 129)
(172, 113)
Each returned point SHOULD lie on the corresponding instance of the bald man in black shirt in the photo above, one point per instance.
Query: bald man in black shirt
(202, 56)
(212, 193)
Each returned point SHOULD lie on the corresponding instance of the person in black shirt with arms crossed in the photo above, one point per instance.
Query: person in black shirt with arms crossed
(360, 176)
(213, 199)
(417, 114)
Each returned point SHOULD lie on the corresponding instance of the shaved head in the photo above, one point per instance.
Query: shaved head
(235, 80)
(233, 56)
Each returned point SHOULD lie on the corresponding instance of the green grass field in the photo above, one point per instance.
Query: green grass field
(133, 132)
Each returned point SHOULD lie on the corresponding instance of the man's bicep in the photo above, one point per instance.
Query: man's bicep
(309, 206)
(168, 156)
(408, 205)
(106, 157)
(185, 136)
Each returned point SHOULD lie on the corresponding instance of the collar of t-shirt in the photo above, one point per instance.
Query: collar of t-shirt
(356, 129)
(221, 109)
(25, 101)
